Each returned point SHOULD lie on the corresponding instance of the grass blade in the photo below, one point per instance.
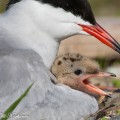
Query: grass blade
(7, 113)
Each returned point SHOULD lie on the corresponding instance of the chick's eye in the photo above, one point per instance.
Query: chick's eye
(78, 72)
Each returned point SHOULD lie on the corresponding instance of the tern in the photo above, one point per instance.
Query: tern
(30, 34)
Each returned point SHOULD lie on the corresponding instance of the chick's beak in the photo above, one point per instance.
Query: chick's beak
(98, 32)
(91, 88)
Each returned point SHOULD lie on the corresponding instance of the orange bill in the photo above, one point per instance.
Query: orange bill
(88, 87)
(98, 32)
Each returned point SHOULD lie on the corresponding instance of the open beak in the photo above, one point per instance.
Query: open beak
(98, 32)
(89, 88)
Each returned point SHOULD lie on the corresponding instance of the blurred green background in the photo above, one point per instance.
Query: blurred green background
(106, 7)
(3, 4)
(100, 7)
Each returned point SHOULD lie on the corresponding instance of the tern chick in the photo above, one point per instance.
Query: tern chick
(75, 70)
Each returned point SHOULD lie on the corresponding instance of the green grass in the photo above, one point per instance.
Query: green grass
(7, 113)
(116, 83)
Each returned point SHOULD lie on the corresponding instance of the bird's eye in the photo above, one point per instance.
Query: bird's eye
(78, 72)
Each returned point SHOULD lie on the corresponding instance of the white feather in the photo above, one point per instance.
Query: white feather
(30, 24)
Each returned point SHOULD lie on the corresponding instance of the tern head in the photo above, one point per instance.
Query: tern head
(75, 71)
(63, 18)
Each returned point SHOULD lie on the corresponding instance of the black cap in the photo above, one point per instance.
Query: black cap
(80, 8)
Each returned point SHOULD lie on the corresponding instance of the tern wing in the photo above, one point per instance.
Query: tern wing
(19, 69)
(45, 100)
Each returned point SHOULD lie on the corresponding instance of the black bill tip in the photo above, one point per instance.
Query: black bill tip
(112, 74)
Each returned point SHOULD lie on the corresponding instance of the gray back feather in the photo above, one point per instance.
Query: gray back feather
(45, 100)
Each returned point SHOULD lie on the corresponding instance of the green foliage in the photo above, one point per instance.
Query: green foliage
(3, 5)
(104, 118)
(118, 112)
(7, 113)
(116, 83)
(102, 62)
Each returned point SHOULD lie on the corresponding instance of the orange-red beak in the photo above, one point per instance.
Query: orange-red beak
(88, 87)
(98, 32)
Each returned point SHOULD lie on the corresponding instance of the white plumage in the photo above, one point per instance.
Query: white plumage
(30, 24)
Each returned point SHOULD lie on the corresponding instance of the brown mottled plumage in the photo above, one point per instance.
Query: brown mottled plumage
(74, 70)
(66, 64)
